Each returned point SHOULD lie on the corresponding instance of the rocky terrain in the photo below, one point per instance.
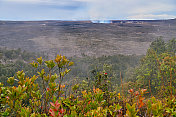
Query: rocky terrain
(77, 38)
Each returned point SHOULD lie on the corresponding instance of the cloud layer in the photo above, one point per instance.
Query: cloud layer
(86, 9)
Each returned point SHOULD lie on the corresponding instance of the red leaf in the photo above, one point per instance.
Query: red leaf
(57, 105)
(52, 104)
(61, 111)
(52, 112)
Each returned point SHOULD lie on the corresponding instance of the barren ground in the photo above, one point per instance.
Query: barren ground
(78, 38)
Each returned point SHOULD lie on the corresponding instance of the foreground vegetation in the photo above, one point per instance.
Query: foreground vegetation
(148, 91)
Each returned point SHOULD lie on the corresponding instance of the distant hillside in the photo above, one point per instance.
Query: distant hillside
(84, 37)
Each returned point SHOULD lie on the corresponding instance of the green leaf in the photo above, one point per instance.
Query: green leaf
(50, 64)
(10, 80)
(40, 60)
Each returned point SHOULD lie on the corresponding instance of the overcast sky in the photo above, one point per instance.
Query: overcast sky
(86, 9)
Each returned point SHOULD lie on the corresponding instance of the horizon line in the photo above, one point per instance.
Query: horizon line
(91, 20)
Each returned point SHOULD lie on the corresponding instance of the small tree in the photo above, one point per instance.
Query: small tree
(26, 99)
(158, 45)
(171, 46)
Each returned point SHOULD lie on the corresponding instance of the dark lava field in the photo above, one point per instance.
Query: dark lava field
(77, 38)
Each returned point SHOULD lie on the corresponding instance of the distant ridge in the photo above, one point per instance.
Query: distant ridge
(88, 21)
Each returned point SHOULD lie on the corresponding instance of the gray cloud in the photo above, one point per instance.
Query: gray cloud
(113, 9)
(151, 16)
(87, 9)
